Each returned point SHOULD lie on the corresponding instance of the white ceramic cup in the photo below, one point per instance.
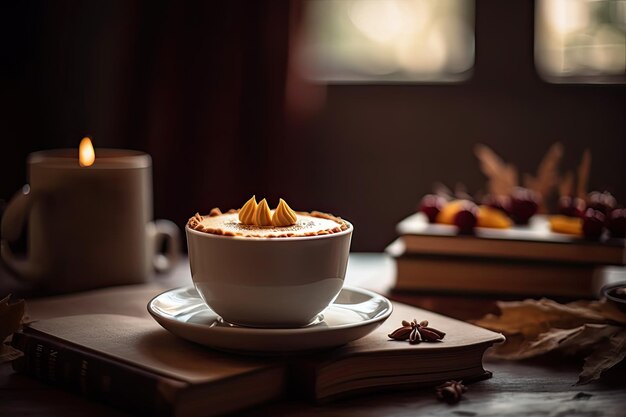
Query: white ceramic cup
(268, 282)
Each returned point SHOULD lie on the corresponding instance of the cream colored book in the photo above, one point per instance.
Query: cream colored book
(462, 275)
(530, 243)
(376, 362)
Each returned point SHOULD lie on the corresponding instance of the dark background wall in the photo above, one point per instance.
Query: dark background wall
(201, 87)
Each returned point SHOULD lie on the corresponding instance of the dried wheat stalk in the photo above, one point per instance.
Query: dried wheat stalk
(502, 177)
(547, 174)
(566, 187)
(583, 174)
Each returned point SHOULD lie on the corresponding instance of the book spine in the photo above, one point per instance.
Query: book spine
(93, 376)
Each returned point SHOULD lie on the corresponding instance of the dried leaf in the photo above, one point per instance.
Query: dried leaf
(508, 350)
(10, 320)
(545, 342)
(502, 177)
(583, 174)
(610, 312)
(587, 337)
(566, 187)
(531, 317)
(535, 327)
(608, 353)
(10, 317)
(561, 338)
(9, 353)
(547, 173)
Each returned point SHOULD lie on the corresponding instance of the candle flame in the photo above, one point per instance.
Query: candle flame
(86, 154)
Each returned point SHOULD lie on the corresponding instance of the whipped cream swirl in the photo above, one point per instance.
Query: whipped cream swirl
(254, 214)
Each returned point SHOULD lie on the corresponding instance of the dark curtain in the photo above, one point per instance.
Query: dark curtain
(200, 86)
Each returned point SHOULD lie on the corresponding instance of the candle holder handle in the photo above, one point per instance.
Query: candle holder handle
(165, 234)
(13, 220)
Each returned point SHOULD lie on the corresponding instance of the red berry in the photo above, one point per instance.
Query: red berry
(465, 220)
(617, 223)
(593, 224)
(571, 206)
(431, 205)
(524, 205)
(603, 202)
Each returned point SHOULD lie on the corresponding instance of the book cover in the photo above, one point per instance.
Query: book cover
(377, 362)
(455, 274)
(534, 242)
(133, 363)
(492, 277)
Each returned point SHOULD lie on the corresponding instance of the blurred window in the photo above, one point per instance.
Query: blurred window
(387, 40)
(581, 40)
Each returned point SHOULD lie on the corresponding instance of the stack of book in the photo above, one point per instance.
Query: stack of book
(134, 364)
(521, 261)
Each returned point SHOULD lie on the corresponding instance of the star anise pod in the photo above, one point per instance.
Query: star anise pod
(416, 332)
(451, 391)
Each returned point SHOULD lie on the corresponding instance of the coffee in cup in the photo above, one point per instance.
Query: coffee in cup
(268, 268)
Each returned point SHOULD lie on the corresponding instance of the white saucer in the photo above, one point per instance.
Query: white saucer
(354, 314)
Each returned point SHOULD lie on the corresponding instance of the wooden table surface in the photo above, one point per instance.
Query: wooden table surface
(542, 387)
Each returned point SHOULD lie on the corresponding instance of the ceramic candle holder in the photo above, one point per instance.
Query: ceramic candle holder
(89, 226)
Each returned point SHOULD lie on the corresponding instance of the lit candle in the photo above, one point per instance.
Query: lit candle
(86, 153)
(90, 218)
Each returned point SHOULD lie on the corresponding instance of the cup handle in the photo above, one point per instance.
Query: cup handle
(166, 232)
(12, 226)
